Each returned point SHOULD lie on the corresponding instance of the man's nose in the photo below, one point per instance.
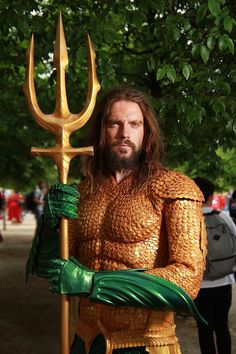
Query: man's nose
(124, 131)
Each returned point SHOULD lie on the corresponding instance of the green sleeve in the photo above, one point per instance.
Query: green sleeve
(137, 288)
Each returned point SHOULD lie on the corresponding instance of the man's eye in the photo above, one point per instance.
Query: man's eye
(112, 124)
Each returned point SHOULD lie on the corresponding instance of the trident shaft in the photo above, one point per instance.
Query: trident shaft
(62, 123)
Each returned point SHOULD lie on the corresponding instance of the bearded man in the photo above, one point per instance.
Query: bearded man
(137, 237)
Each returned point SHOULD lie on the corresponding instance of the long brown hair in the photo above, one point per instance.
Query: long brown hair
(152, 142)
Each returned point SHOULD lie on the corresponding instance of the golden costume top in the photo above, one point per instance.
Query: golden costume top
(160, 228)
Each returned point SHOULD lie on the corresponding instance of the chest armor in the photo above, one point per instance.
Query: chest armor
(118, 229)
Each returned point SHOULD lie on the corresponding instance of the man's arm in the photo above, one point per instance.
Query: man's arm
(182, 259)
(186, 233)
(131, 287)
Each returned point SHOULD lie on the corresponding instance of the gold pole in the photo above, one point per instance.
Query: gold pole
(62, 123)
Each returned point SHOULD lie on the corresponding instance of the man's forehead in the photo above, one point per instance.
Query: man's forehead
(123, 102)
(124, 107)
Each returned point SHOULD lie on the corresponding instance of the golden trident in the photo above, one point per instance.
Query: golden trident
(62, 123)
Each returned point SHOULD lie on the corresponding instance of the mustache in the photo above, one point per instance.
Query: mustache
(124, 141)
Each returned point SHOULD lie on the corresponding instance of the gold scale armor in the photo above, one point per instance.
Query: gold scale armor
(159, 228)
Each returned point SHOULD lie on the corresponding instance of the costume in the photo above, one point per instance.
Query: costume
(159, 228)
(213, 302)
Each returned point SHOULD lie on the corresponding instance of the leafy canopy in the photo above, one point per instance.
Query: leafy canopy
(181, 53)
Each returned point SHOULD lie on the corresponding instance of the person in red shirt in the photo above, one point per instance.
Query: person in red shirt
(15, 203)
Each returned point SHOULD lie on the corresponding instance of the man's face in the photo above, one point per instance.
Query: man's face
(124, 129)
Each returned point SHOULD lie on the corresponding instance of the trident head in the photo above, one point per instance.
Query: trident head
(61, 122)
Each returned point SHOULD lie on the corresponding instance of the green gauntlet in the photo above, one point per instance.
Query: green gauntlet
(69, 277)
(62, 200)
(131, 287)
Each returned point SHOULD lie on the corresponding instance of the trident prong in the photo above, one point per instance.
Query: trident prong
(62, 123)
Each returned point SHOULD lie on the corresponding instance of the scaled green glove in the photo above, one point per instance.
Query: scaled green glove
(62, 200)
(131, 287)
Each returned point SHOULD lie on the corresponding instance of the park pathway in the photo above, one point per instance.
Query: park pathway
(30, 315)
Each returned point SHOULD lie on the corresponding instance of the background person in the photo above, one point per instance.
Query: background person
(215, 296)
(15, 204)
(39, 200)
(232, 206)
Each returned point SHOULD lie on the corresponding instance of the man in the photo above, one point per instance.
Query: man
(215, 296)
(138, 234)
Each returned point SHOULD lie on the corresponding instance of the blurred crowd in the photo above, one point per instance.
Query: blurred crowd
(14, 204)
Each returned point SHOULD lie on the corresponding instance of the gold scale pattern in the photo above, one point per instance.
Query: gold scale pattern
(159, 228)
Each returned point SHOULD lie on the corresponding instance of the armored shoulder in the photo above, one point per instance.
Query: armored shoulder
(173, 185)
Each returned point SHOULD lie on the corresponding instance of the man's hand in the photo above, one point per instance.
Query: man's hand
(62, 200)
(69, 277)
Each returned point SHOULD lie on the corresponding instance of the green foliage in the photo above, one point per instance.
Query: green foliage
(228, 165)
(181, 53)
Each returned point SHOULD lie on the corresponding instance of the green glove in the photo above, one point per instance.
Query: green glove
(62, 200)
(131, 287)
(69, 277)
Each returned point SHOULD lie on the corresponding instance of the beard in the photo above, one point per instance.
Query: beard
(115, 161)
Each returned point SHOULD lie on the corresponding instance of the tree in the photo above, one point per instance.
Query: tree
(181, 53)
